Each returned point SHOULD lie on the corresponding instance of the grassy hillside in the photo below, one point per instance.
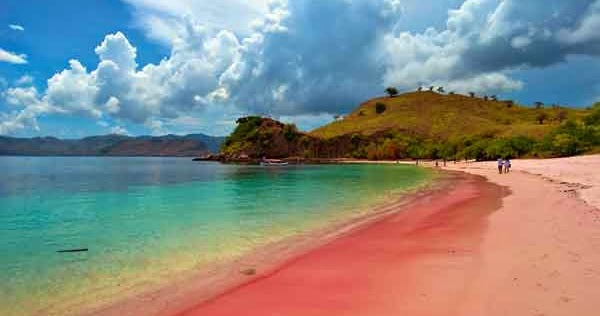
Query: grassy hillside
(442, 117)
(427, 125)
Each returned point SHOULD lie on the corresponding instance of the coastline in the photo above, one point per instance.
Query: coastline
(213, 280)
(501, 244)
(374, 269)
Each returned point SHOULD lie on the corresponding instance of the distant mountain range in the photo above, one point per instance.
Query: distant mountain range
(192, 145)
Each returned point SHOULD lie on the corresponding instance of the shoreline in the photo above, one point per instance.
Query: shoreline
(536, 254)
(338, 266)
(212, 281)
(534, 251)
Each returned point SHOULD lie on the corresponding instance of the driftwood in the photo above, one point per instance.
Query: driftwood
(73, 250)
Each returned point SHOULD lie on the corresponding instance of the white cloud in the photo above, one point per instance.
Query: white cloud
(162, 19)
(24, 80)
(118, 130)
(73, 90)
(112, 105)
(22, 96)
(12, 58)
(32, 108)
(484, 40)
(16, 27)
(305, 60)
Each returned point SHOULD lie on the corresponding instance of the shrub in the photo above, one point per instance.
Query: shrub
(594, 117)
(290, 132)
(565, 145)
(379, 108)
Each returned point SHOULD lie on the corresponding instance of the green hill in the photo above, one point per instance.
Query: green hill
(426, 125)
(442, 117)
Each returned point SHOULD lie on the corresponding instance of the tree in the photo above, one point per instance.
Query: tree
(431, 88)
(539, 105)
(391, 91)
(541, 117)
(485, 98)
(494, 98)
(290, 132)
(420, 89)
(379, 107)
(509, 103)
(472, 94)
(441, 89)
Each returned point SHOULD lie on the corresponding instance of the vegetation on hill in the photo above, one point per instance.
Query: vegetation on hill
(256, 137)
(428, 125)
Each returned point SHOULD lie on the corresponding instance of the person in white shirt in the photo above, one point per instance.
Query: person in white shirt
(500, 165)
(507, 165)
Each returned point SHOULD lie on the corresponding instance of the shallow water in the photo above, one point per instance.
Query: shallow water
(146, 220)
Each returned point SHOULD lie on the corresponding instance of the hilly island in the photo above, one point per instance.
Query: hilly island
(425, 125)
(112, 145)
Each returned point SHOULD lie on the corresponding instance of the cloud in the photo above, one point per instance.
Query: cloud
(306, 60)
(118, 130)
(24, 80)
(16, 27)
(12, 58)
(163, 19)
(22, 96)
(29, 100)
(73, 90)
(484, 40)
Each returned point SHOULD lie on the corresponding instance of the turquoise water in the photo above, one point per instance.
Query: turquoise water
(148, 220)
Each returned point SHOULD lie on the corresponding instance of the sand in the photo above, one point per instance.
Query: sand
(405, 263)
(524, 245)
(489, 244)
(580, 175)
(541, 251)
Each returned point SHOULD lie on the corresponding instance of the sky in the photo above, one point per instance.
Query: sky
(75, 68)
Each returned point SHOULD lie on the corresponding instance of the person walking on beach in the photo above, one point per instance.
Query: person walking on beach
(507, 165)
(500, 165)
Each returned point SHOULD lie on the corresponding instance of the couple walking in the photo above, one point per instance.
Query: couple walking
(504, 164)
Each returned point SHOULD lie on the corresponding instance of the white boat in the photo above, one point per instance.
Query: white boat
(273, 163)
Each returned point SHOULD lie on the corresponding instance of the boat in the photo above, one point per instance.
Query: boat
(273, 163)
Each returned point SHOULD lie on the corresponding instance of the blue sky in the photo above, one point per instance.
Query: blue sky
(77, 68)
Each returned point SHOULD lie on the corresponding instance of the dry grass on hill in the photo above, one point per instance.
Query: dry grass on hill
(440, 116)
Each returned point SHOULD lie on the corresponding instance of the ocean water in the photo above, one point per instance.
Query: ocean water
(147, 220)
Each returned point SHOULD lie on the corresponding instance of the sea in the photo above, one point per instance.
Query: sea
(145, 221)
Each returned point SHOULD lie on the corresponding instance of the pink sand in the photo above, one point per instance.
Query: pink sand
(406, 263)
(520, 244)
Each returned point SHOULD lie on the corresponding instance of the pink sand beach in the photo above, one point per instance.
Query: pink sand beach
(524, 243)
